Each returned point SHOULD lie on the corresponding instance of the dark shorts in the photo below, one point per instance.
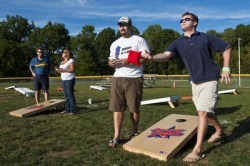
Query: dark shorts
(41, 83)
(126, 92)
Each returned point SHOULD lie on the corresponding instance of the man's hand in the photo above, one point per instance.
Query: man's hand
(146, 55)
(225, 76)
(113, 63)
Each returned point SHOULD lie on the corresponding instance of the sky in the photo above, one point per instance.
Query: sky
(215, 15)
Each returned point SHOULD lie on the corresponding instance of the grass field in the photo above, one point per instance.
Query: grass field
(50, 138)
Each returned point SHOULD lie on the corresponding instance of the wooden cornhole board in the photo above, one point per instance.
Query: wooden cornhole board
(97, 87)
(186, 97)
(172, 100)
(228, 91)
(34, 109)
(26, 91)
(165, 138)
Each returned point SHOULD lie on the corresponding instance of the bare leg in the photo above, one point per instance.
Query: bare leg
(135, 117)
(37, 97)
(118, 120)
(201, 131)
(46, 96)
(212, 119)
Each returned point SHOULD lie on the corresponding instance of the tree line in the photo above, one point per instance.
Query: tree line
(19, 39)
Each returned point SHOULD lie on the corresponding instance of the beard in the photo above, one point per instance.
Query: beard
(124, 33)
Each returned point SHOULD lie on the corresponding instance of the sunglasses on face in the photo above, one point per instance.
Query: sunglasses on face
(185, 19)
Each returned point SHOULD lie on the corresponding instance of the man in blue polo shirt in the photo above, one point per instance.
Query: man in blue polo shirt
(195, 49)
(40, 67)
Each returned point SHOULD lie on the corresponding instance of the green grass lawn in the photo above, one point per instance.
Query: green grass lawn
(50, 138)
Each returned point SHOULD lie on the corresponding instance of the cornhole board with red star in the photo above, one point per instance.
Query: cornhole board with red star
(164, 139)
(34, 109)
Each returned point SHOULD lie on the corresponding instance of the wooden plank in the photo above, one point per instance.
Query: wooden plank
(34, 109)
(170, 100)
(186, 97)
(164, 139)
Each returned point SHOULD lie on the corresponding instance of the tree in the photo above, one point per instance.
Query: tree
(84, 49)
(230, 37)
(102, 44)
(243, 32)
(52, 38)
(14, 52)
(213, 32)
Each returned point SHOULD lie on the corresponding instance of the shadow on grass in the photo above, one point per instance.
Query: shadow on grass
(227, 110)
(238, 132)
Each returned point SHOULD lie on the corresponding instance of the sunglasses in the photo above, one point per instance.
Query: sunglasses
(39, 51)
(185, 19)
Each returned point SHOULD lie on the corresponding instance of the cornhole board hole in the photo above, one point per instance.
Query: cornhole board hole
(97, 87)
(34, 109)
(228, 91)
(26, 91)
(165, 138)
(172, 101)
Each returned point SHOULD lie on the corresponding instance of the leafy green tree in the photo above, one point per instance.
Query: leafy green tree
(14, 53)
(152, 34)
(52, 38)
(102, 44)
(85, 53)
(213, 32)
(230, 37)
(243, 32)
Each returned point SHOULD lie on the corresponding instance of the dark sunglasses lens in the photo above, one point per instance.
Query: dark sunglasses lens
(185, 19)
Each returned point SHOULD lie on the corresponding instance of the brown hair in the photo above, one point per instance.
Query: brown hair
(39, 49)
(69, 54)
(194, 17)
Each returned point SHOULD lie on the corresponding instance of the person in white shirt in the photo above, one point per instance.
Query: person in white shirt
(127, 82)
(67, 70)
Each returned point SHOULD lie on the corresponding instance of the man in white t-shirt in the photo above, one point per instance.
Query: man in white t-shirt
(126, 56)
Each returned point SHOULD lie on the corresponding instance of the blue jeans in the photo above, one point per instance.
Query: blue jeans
(70, 102)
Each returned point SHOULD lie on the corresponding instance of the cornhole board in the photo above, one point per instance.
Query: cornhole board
(164, 139)
(34, 109)
(228, 91)
(170, 100)
(186, 97)
(97, 87)
(26, 91)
